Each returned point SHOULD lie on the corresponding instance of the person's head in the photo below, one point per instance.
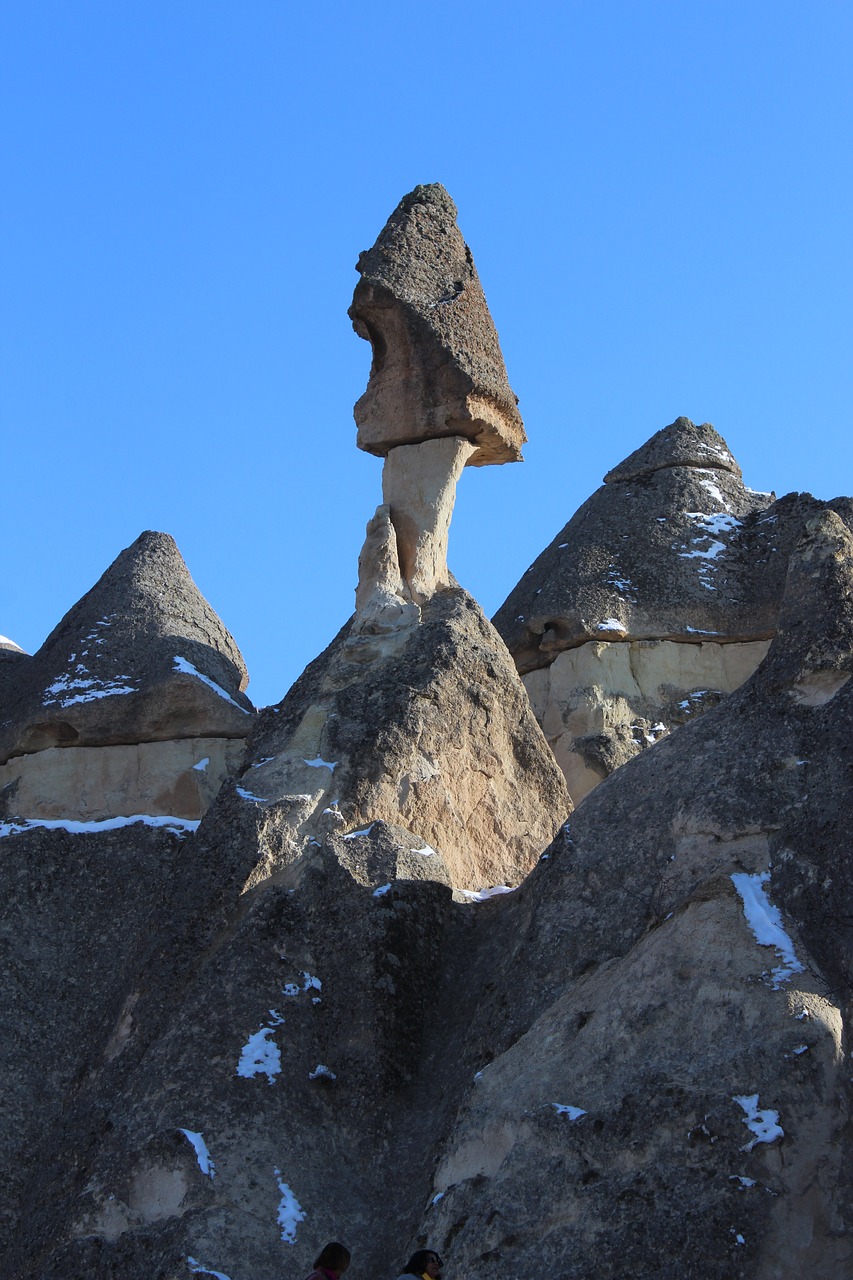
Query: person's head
(333, 1257)
(425, 1262)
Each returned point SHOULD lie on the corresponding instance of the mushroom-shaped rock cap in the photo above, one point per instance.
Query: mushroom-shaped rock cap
(142, 657)
(437, 364)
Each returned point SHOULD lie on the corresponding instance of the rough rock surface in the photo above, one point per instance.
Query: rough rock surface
(636, 992)
(437, 364)
(659, 597)
(603, 1073)
(140, 658)
(179, 777)
(133, 704)
(13, 663)
(419, 488)
(82, 920)
(429, 728)
(655, 553)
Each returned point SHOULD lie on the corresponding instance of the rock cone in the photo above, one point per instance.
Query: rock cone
(139, 662)
(435, 734)
(559, 1078)
(678, 1058)
(658, 597)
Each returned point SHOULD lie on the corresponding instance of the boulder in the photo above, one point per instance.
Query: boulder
(437, 365)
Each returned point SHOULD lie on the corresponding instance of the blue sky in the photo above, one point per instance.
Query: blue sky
(657, 195)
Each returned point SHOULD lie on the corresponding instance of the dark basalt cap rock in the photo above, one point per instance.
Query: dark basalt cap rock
(672, 546)
(141, 657)
(681, 444)
(437, 364)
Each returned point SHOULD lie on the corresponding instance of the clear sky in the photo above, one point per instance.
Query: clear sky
(657, 195)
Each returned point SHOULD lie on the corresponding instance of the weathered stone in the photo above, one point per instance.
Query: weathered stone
(656, 553)
(142, 657)
(673, 554)
(602, 703)
(554, 1075)
(643, 999)
(431, 730)
(88, 784)
(419, 487)
(82, 920)
(13, 664)
(437, 364)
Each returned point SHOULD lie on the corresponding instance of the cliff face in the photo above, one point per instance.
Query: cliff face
(382, 985)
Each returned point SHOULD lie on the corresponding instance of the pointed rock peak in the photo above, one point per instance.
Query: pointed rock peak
(147, 591)
(9, 647)
(437, 364)
(681, 444)
(142, 657)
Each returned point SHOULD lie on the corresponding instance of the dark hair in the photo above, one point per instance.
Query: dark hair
(417, 1263)
(334, 1257)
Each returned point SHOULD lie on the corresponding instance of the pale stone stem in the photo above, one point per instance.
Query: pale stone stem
(419, 485)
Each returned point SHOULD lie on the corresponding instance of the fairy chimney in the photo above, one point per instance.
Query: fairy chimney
(438, 398)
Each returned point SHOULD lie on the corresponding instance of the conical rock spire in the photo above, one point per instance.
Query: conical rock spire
(141, 657)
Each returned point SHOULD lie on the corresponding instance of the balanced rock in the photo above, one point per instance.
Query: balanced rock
(134, 703)
(437, 364)
(658, 597)
(437, 399)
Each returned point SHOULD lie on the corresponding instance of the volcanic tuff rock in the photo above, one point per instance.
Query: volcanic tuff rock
(661, 1095)
(601, 1073)
(658, 597)
(651, 555)
(437, 364)
(141, 660)
(437, 399)
(435, 734)
(84, 920)
(223, 1046)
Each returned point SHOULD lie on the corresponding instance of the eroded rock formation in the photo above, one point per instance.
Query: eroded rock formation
(434, 734)
(325, 1012)
(668, 1094)
(438, 397)
(437, 364)
(133, 704)
(660, 596)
